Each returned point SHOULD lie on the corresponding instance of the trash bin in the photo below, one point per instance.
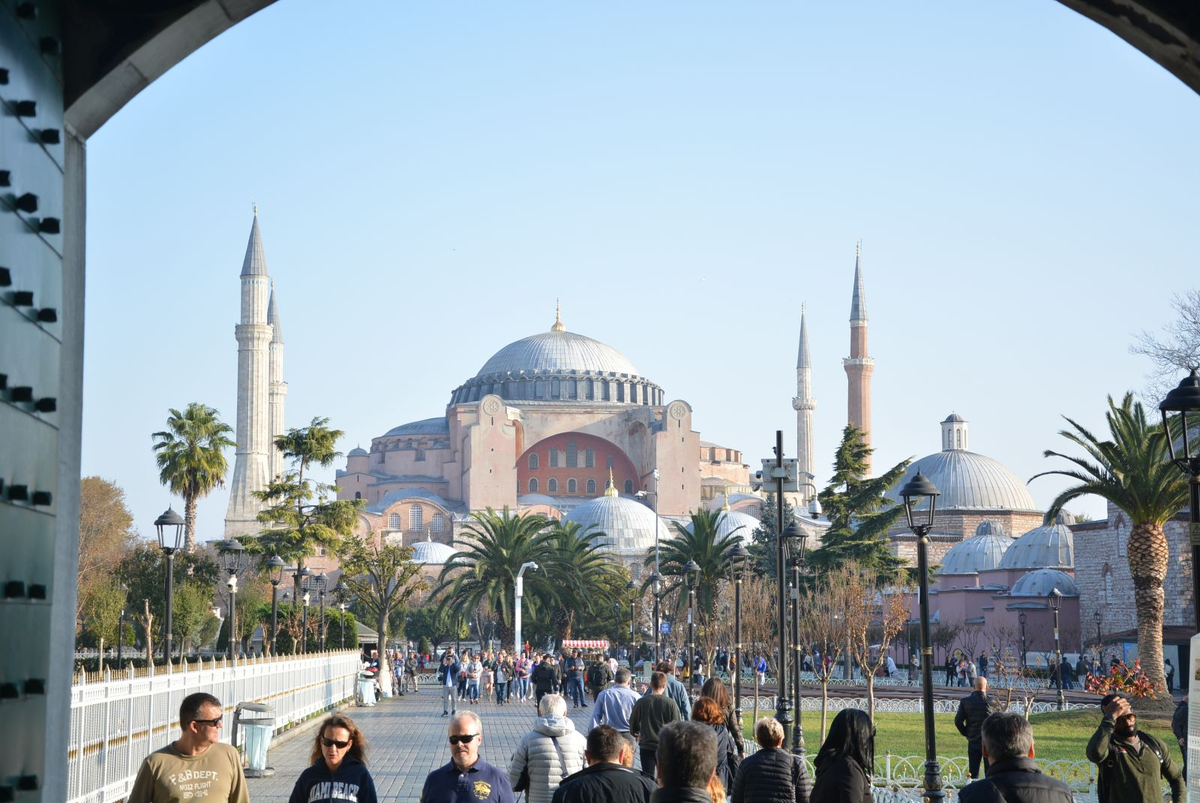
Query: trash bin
(366, 689)
(258, 720)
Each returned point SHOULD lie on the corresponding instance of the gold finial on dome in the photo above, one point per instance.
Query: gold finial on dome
(558, 324)
(725, 507)
(611, 490)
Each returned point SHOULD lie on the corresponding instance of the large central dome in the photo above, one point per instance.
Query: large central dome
(559, 366)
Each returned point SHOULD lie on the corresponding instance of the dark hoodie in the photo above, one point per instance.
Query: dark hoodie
(351, 782)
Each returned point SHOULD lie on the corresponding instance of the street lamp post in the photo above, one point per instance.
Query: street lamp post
(796, 538)
(520, 593)
(342, 591)
(783, 704)
(1055, 600)
(1099, 638)
(631, 587)
(121, 625)
(169, 527)
(657, 621)
(656, 583)
(275, 575)
(232, 554)
(916, 491)
(1022, 618)
(322, 581)
(306, 599)
(739, 560)
(300, 580)
(1185, 399)
(691, 574)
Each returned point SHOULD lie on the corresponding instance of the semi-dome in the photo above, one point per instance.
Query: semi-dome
(1040, 582)
(1051, 546)
(426, 426)
(979, 553)
(628, 526)
(731, 522)
(430, 552)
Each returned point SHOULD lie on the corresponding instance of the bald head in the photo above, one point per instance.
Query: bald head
(981, 684)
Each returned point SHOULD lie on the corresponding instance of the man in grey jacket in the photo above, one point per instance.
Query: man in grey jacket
(550, 752)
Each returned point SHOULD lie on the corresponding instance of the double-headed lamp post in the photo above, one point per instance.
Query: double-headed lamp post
(275, 575)
(920, 500)
(232, 556)
(1181, 402)
(691, 576)
(1055, 601)
(169, 527)
(796, 539)
(343, 593)
(739, 562)
(1022, 618)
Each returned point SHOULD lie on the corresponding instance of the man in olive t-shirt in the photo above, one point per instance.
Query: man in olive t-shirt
(196, 767)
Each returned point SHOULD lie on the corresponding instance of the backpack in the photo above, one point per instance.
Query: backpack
(595, 676)
(1102, 770)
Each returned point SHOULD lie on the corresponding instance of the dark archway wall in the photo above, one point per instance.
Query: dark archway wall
(79, 62)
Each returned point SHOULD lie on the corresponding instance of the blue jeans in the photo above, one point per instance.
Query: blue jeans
(575, 691)
(473, 690)
(501, 691)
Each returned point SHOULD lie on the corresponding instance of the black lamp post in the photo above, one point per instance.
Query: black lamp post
(300, 578)
(232, 554)
(1055, 600)
(796, 539)
(917, 492)
(691, 574)
(1099, 639)
(342, 591)
(170, 531)
(739, 561)
(322, 582)
(1022, 618)
(275, 575)
(631, 587)
(656, 584)
(1183, 400)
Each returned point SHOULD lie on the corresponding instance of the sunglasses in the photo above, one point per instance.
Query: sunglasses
(335, 743)
(465, 738)
(213, 722)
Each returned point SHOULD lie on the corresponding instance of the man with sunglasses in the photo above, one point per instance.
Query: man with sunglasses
(196, 767)
(467, 777)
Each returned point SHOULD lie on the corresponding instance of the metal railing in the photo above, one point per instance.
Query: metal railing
(124, 717)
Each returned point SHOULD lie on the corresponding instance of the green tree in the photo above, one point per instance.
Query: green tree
(382, 579)
(191, 458)
(859, 512)
(102, 614)
(144, 574)
(106, 537)
(1131, 469)
(710, 551)
(762, 547)
(484, 570)
(436, 625)
(191, 610)
(588, 581)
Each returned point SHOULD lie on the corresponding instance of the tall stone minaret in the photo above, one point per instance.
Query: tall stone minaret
(252, 462)
(858, 365)
(279, 389)
(804, 403)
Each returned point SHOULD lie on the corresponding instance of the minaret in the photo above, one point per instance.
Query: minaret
(278, 391)
(858, 365)
(251, 463)
(804, 403)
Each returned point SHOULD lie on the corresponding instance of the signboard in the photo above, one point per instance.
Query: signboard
(1194, 529)
(664, 628)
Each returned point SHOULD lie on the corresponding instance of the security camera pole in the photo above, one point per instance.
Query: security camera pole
(517, 607)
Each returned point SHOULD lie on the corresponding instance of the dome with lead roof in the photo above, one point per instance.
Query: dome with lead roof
(1051, 546)
(628, 525)
(1041, 582)
(979, 553)
(731, 522)
(430, 552)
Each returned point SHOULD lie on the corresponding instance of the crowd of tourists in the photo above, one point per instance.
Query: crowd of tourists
(655, 745)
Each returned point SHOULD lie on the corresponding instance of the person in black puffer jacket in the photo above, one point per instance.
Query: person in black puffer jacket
(339, 770)
(772, 775)
(972, 711)
(1013, 776)
(707, 711)
(845, 761)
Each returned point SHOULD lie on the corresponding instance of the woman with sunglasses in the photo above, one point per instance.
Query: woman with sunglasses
(339, 769)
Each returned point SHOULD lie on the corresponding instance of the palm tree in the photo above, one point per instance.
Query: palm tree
(711, 553)
(191, 458)
(585, 577)
(484, 570)
(1133, 472)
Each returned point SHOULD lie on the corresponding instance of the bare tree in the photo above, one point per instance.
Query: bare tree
(1012, 679)
(942, 636)
(824, 624)
(969, 634)
(1177, 349)
(873, 618)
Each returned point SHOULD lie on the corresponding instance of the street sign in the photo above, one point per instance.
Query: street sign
(664, 628)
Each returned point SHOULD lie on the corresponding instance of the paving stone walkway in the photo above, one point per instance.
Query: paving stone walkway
(408, 739)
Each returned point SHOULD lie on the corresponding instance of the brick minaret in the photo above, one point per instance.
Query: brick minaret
(804, 403)
(858, 365)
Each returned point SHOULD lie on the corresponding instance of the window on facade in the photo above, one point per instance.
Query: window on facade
(572, 486)
(571, 388)
(394, 521)
(620, 391)
(589, 458)
(572, 455)
(958, 439)
(604, 390)
(439, 523)
(552, 486)
(628, 486)
(553, 457)
(1108, 586)
(533, 462)
(539, 389)
(555, 390)
(358, 494)
(1122, 541)
(588, 389)
(420, 455)
(416, 517)
(533, 485)
(591, 486)
(608, 462)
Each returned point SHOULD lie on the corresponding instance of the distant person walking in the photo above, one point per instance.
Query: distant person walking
(615, 704)
(449, 674)
(972, 711)
(647, 718)
(549, 753)
(467, 777)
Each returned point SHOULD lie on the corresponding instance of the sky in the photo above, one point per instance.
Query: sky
(431, 177)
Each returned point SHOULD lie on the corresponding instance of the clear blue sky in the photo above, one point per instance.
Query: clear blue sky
(430, 177)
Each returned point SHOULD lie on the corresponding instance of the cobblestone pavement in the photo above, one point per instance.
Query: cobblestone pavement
(408, 739)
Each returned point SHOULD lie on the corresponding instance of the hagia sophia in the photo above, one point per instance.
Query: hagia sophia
(562, 424)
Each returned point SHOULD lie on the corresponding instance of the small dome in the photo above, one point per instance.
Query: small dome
(430, 552)
(1051, 546)
(357, 451)
(1041, 582)
(731, 522)
(969, 480)
(628, 526)
(980, 553)
(954, 418)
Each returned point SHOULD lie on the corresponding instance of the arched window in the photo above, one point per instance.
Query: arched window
(552, 486)
(533, 485)
(416, 517)
(394, 521)
(608, 462)
(533, 462)
(358, 494)
(439, 523)
(572, 486)
(553, 457)
(628, 486)
(1108, 584)
(572, 455)
(591, 486)
(589, 458)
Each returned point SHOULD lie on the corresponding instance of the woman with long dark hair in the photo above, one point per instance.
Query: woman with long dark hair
(846, 760)
(339, 766)
(714, 689)
(707, 711)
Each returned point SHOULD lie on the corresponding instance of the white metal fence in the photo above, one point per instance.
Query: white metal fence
(119, 720)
